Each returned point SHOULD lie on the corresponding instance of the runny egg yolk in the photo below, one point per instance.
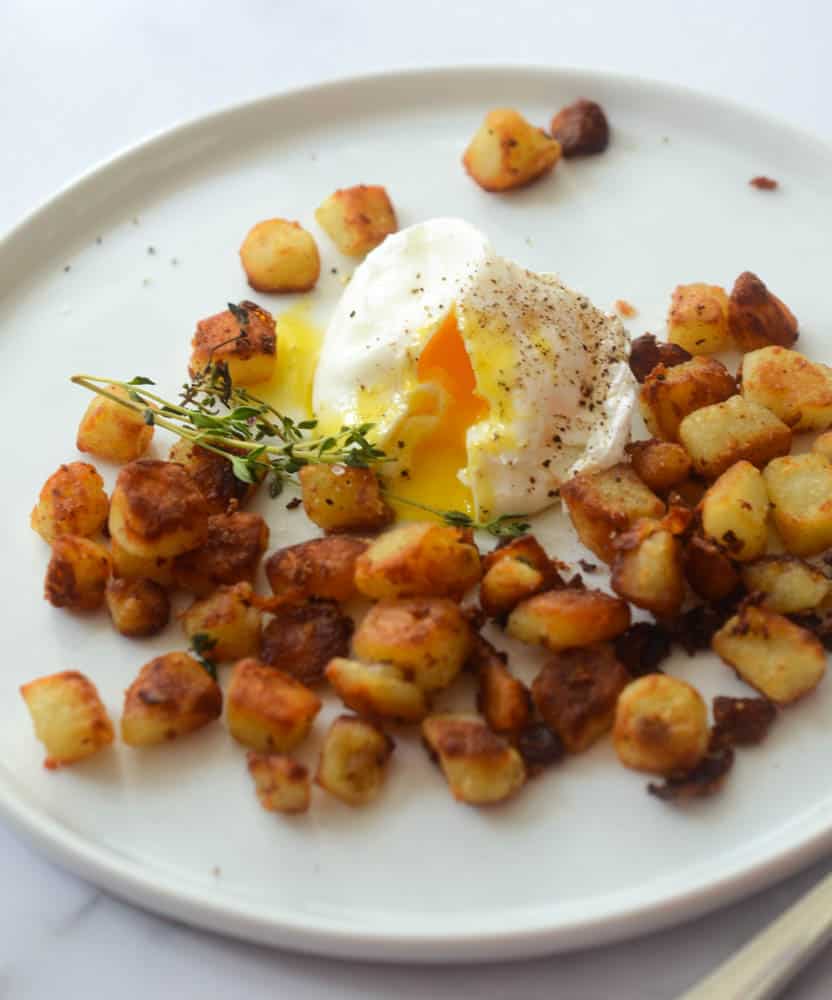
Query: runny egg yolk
(289, 390)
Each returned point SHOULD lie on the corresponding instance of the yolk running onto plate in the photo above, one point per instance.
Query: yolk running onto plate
(298, 346)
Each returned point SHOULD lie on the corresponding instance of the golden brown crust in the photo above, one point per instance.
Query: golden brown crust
(279, 255)
(230, 553)
(342, 498)
(756, 317)
(138, 607)
(668, 395)
(561, 619)
(660, 465)
(503, 700)
(72, 501)
(113, 431)
(221, 338)
(708, 570)
(281, 783)
(581, 128)
(647, 569)
(357, 218)
(301, 639)
(77, 574)
(267, 708)
(321, 567)
(354, 759)
(508, 152)
(213, 475)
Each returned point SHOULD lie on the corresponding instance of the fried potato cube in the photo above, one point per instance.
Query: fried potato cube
(576, 692)
(321, 567)
(72, 501)
(377, 690)
(506, 584)
(128, 566)
(781, 660)
(668, 395)
(228, 619)
(710, 572)
(343, 498)
(301, 639)
(508, 152)
(660, 465)
(800, 490)
(357, 218)
(353, 760)
(661, 725)
(77, 574)
(112, 431)
(502, 699)
(481, 768)
(246, 343)
(601, 504)
(172, 696)
(756, 317)
(717, 436)
(137, 607)
(581, 128)
(267, 709)
(795, 389)
(427, 638)
(698, 319)
(280, 256)
(230, 554)
(735, 512)
(788, 584)
(646, 353)
(527, 549)
(421, 559)
(68, 717)
(559, 619)
(213, 475)
(647, 569)
(281, 783)
(156, 510)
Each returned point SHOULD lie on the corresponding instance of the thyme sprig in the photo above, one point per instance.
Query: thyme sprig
(201, 646)
(504, 526)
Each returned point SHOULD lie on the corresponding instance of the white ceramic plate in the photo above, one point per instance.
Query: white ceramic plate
(583, 855)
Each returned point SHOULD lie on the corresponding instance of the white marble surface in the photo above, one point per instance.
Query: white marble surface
(81, 79)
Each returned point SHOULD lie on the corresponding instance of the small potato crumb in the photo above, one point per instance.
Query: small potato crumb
(358, 218)
(281, 783)
(280, 256)
(68, 717)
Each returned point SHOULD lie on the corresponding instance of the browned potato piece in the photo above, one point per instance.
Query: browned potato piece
(646, 353)
(247, 345)
(342, 498)
(280, 256)
(72, 501)
(581, 128)
(322, 567)
(788, 584)
(132, 567)
(647, 570)
(419, 559)
(378, 690)
(427, 638)
(300, 640)
(267, 709)
(281, 783)
(112, 431)
(353, 760)
(77, 575)
(481, 768)
(68, 717)
(661, 725)
(735, 510)
(213, 476)
(502, 699)
(668, 395)
(781, 660)
(563, 618)
(230, 554)
(156, 510)
(822, 445)
(506, 584)
(601, 504)
(137, 607)
(508, 152)
(698, 319)
(660, 465)
(717, 436)
(756, 317)
(172, 696)
(358, 218)
(795, 389)
(228, 619)
(527, 549)
(800, 489)
(708, 570)
(576, 692)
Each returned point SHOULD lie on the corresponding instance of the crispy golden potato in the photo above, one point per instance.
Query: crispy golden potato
(661, 725)
(581, 128)
(72, 501)
(228, 619)
(172, 696)
(756, 317)
(668, 395)
(710, 572)
(735, 511)
(280, 256)
(570, 617)
(77, 574)
(112, 431)
(506, 584)
(343, 498)
(357, 218)
(646, 353)
(508, 152)
(427, 638)
(137, 607)
(353, 760)
(576, 692)
(301, 639)
(267, 709)
(128, 566)
(527, 549)
(377, 690)
(660, 465)
(502, 699)
(321, 567)
(717, 436)
(788, 584)
(602, 504)
(800, 490)
(481, 768)
(246, 343)
(213, 475)
(647, 569)
(781, 660)
(795, 389)
(281, 783)
(420, 559)
(68, 717)
(230, 554)
(698, 319)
